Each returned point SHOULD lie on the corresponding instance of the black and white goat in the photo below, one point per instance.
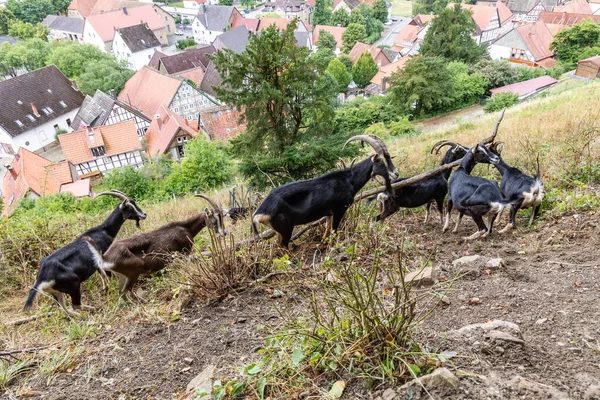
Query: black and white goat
(521, 190)
(330, 195)
(426, 191)
(475, 196)
(149, 252)
(64, 270)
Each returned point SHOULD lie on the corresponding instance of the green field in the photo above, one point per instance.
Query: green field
(401, 8)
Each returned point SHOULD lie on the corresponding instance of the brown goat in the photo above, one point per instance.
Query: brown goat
(149, 252)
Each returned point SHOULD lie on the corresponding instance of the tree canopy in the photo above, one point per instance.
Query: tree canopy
(25, 30)
(105, 75)
(322, 13)
(364, 70)
(340, 17)
(578, 42)
(6, 17)
(353, 33)
(34, 11)
(326, 41)
(380, 10)
(341, 75)
(449, 36)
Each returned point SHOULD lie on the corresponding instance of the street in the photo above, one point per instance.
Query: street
(388, 35)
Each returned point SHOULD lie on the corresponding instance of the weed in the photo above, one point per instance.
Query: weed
(10, 370)
(80, 330)
(60, 361)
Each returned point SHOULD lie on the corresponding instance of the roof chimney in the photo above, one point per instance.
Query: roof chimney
(12, 171)
(35, 110)
(89, 130)
(125, 10)
(159, 122)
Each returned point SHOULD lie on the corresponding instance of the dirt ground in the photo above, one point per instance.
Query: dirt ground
(549, 286)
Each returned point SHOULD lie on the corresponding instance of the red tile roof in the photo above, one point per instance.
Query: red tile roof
(575, 7)
(566, 19)
(147, 89)
(221, 123)
(482, 14)
(407, 36)
(105, 24)
(33, 172)
(523, 88)
(359, 48)
(195, 75)
(117, 139)
(336, 31)
(537, 37)
(504, 12)
(594, 60)
(387, 70)
(250, 23)
(163, 130)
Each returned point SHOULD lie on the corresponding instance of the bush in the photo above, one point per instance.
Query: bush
(131, 181)
(359, 114)
(500, 101)
(402, 127)
(185, 43)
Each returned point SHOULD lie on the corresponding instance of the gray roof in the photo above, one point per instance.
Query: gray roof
(303, 38)
(524, 6)
(8, 39)
(191, 58)
(64, 24)
(215, 18)
(94, 111)
(211, 78)
(235, 39)
(50, 92)
(138, 37)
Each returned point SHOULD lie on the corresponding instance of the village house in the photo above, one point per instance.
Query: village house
(32, 176)
(168, 134)
(588, 68)
(135, 45)
(566, 19)
(527, 44)
(235, 39)
(289, 9)
(381, 56)
(336, 31)
(282, 23)
(148, 89)
(529, 10)
(34, 106)
(382, 77)
(527, 88)
(211, 21)
(575, 7)
(99, 30)
(103, 148)
(64, 28)
(221, 123)
(103, 109)
(250, 23)
(196, 4)
(186, 60)
(411, 36)
(490, 21)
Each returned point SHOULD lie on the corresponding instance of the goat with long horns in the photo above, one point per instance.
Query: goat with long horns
(328, 195)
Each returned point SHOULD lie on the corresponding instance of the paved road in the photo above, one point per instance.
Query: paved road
(388, 36)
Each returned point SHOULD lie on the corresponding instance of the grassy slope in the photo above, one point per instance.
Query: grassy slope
(401, 8)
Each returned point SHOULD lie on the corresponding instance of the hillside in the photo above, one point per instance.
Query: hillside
(257, 333)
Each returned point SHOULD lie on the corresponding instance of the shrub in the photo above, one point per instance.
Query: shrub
(402, 127)
(185, 43)
(131, 181)
(501, 100)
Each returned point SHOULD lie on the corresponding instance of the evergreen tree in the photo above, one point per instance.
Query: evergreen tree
(322, 13)
(341, 75)
(353, 33)
(380, 10)
(450, 36)
(364, 70)
(340, 17)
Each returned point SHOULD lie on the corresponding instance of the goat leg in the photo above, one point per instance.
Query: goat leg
(460, 216)
(534, 213)
(427, 207)
(327, 228)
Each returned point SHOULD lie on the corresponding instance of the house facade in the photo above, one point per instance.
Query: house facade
(168, 134)
(221, 123)
(64, 28)
(34, 106)
(102, 149)
(491, 21)
(212, 20)
(530, 10)
(135, 45)
(289, 9)
(588, 68)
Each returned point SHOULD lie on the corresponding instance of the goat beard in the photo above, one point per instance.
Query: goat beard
(137, 223)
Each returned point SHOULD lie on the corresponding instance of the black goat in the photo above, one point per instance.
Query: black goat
(475, 196)
(64, 270)
(521, 190)
(328, 195)
(149, 252)
(426, 191)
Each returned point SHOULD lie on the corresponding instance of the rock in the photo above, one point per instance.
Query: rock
(541, 321)
(425, 276)
(342, 257)
(521, 384)
(494, 263)
(186, 369)
(474, 301)
(445, 300)
(574, 350)
(188, 360)
(389, 394)
(592, 393)
(488, 326)
(276, 294)
(438, 379)
(467, 261)
(503, 336)
(499, 350)
(203, 381)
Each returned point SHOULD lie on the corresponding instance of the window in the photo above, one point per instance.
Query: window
(98, 151)
(12, 199)
(19, 123)
(68, 121)
(30, 117)
(62, 104)
(179, 140)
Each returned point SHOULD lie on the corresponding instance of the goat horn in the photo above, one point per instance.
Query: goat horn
(114, 193)
(352, 163)
(375, 142)
(495, 130)
(342, 164)
(211, 202)
(438, 146)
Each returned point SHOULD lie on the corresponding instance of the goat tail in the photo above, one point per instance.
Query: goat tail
(32, 294)
(537, 160)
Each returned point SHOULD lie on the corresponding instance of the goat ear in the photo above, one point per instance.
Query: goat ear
(123, 204)
(208, 211)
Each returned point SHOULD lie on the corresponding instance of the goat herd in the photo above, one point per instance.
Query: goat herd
(295, 203)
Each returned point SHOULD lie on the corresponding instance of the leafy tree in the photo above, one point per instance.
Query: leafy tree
(248, 3)
(497, 73)
(357, 115)
(425, 85)
(428, 6)
(32, 11)
(402, 127)
(225, 2)
(326, 41)
(380, 10)
(372, 25)
(131, 181)
(177, 19)
(6, 18)
(71, 57)
(25, 30)
(105, 75)
(185, 43)
(501, 100)
(31, 54)
(467, 88)
(347, 61)
(341, 75)
(287, 104)
(322, 57)
(353, 33)
(186, 21)
(364, 70)
(449, 36)
(357, 17)
(340, 17)
(322, 13)
(577, 42)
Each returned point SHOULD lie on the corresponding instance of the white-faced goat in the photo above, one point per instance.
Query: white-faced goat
(64, 271)
(426, 191)
(328, 195)
(474, 196)
(521, 190)
(148, 252)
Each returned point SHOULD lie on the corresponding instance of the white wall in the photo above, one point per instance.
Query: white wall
(90, 36)
(135, 60)
(499, 52)
(201, 34)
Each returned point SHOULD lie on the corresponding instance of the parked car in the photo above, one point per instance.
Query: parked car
(388, 23)
(246, 11)
(179, 32)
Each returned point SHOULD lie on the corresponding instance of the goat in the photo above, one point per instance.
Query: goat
(64, 270)
(146, 253)
(328, 195)
(475, 196)
(521, 190)
(426, 191)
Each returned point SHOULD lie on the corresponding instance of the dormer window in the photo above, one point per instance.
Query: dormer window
(30, 117)
(47, 110)
(19, 123)
(98, 151)
(62, 104)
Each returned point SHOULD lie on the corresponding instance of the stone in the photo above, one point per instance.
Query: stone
(438, 379)
(503, 336)
(474, 301)
(276, 294)
(202, 381)
(467, 261)
(186, 369)
(494, 263)
(188, 360)
(592, 393)
(389, 394)
(445, 300)
(422, 277)
(541, 321)
(521, 384)
(488, 326)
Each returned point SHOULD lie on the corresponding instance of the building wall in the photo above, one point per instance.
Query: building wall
(62, 35)
(120, 114)
(162, 35)
(167, 18)
(135, 60)
(107, 163)
(90, 36)
(201, 34)
(188, 101)
(587, 70)
(74, 14)
(39, 136)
